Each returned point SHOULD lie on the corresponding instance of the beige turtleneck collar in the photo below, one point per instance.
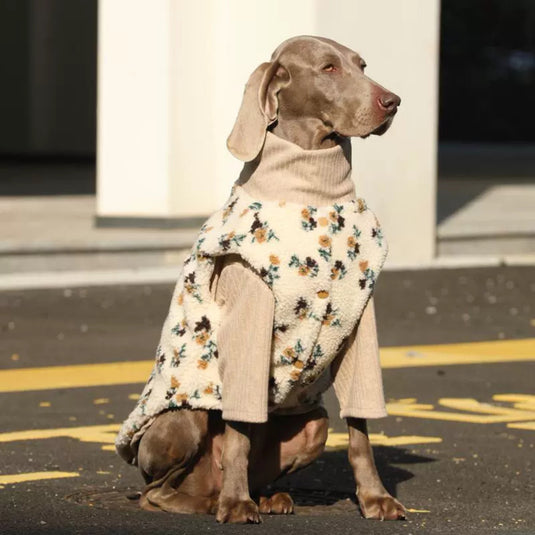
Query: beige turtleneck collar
(286, 172)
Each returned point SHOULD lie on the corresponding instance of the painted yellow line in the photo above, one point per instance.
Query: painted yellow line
(104, 434)
(121, 373)
(527, 426)
(340, 441)
(34, 476)
(454, 354)
(485, 413)
(112, 373)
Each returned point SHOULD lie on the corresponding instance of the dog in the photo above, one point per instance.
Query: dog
(208, 448)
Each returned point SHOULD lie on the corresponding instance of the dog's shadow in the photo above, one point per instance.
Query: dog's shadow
(329, 480)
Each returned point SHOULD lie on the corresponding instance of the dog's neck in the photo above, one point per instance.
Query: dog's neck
(284, 171)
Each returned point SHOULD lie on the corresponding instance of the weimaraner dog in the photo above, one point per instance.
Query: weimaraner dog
(312, 92)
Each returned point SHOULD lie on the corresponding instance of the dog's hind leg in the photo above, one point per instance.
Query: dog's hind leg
(171, 456)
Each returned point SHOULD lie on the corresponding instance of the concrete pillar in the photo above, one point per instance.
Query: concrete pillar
(171, 77)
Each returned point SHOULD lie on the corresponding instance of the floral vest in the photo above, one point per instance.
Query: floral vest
(321, 263)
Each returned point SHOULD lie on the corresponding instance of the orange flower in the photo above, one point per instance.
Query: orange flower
(180, 298)
(244, 212)
(202, 338)
(351, 242)
(361, 205)
(202, 364)
(323, 294)
(363, 265)
(260, 234)
(323, 221)
(294, 375)
(181, 397)
(305, 213)
(208, 229)
(289, 352)
(327, 320)
(298, 364)
(208, 389)
(174, 382)
(333, 216)
(303, 270)
(231, 235)
(324, 241)
(274, 259)
(334, 273)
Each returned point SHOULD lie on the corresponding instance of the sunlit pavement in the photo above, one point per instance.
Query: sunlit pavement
(457, 449)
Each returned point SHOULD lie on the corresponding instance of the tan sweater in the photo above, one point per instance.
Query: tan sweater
(285, 172)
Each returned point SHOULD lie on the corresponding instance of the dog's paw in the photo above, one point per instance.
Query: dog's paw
(381, 507)
(237, 511)
(280, 503)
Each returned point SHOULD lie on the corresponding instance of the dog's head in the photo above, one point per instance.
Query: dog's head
(315, 79)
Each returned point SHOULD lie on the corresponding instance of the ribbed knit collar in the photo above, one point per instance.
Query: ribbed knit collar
(286, 172)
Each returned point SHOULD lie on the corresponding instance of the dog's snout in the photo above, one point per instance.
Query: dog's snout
(388, 101)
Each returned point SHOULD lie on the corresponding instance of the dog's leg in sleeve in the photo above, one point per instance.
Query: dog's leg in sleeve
(359, 388)
(244, 351)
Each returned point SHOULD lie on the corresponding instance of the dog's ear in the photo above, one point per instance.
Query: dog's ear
(258, 110)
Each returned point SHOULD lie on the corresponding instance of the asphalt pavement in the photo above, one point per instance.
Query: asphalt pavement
(457, 449)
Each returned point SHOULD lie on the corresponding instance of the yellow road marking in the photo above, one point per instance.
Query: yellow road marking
(104, 434)
(34, 476)
(528, 426)
(454, 354)
(340, 441)
(112, 373)
(119, 373)
(486, 413)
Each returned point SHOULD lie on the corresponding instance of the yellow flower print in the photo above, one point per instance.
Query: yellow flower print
(324, 241)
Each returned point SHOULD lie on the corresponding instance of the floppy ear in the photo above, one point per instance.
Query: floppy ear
(258, 110)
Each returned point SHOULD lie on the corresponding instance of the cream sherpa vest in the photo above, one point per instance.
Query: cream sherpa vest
(321, 263)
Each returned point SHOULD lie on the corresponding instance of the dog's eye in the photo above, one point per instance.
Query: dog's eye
(329, 68)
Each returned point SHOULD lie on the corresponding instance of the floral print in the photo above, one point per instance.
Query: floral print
(229, 209)
(319, 279)
(369, 275)
(271, 273)
(336, 220)
(325, 247)
(353, 245)
(308, 268)
(377, 234)
(330, 318)
(261, 231)
(226, 240)
(338, 271)
(192, 287)
(178, 354)
(307, 218)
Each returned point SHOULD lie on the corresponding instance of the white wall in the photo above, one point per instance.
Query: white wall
(167, 102)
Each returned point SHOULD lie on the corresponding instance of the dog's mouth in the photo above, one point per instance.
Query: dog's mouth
(382, 128)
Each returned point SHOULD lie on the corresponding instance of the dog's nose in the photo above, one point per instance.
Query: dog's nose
(388, 101)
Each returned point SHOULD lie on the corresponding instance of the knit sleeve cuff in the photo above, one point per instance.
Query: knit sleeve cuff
(363, 412)
(244, 416)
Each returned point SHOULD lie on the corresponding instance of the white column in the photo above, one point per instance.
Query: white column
(396, 173)
(134, 99)
(171, 77)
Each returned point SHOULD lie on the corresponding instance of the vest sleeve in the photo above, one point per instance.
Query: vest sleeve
(244, 341)
(358, 382)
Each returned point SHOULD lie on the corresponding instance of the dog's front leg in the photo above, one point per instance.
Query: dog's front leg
(235, 503)
(374, 500)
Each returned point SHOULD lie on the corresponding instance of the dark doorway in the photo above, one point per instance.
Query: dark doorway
(48, 58)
